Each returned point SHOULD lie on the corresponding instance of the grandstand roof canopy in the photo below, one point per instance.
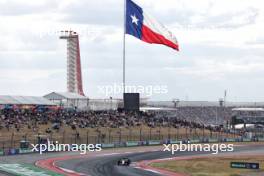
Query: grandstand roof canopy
(248, 109)
(65, 95)
(24, 100)
(203, 104)
(156, 109)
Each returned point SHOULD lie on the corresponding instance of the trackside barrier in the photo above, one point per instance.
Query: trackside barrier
(246, 140)
(239, 140)
(213, 140)
(222, 140)
(108, 145)
(25, 151)
(204, 140)
(132, 144)
(142, 143)
(122, 144)
(261, 139)
(230, 140)
(175, 142)
(154, 142)
(13, 151)
(145, 143)
(195, 141)
(6, 152)
(168, 141)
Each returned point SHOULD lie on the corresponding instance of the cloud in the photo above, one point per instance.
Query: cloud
(257, 41)
(221, 47)
(231, 20)
(94, 12)
(195, 20)
(17, 7)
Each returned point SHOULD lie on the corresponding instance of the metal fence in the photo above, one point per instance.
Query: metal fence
(108, 136)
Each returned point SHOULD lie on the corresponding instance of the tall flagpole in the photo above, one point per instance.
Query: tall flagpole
(124, 50)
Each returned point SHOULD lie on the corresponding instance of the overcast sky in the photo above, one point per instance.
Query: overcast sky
(221, 47)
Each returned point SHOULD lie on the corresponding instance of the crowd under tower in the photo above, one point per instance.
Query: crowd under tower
(74, 71)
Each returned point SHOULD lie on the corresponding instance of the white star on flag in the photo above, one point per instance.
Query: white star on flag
(134, 19)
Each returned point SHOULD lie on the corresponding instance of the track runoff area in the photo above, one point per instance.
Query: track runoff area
(145, 161)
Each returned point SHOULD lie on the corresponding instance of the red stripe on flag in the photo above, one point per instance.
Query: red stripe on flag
(150, 36)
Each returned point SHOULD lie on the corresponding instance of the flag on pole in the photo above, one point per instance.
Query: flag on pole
(144, 27)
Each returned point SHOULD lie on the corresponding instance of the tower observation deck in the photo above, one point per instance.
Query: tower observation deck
(74, 71)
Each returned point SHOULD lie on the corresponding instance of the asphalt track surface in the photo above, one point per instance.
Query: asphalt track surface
(107, 165)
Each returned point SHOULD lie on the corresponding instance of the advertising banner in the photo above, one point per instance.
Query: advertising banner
(132, 144)
(153, 142)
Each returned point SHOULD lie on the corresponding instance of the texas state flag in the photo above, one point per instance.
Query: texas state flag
(144, 27)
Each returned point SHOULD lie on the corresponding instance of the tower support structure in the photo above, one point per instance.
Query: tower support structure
(74, 71)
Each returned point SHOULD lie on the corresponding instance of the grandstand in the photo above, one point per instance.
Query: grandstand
(102, 122)
(247, 116)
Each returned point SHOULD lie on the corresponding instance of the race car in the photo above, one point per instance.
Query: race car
(124, 162)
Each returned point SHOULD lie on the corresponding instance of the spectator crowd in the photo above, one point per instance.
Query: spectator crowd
(193, 117)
